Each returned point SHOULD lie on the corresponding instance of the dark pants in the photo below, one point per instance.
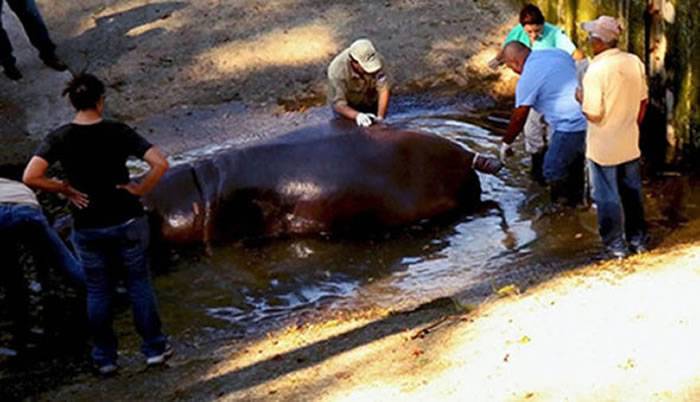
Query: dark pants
(26, 224)
(563, 165)
(30, 17)
(126, 244)
(617, 193)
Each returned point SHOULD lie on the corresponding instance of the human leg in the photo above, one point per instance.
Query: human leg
(7, 60)
(563, 165)
(535, 137)
(17, 296)
(630, 184)
(47, 245)
(608, 206)
(133, 250)
(92, 247)
(28, 14)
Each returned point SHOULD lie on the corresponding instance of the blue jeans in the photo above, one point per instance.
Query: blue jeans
(27, 223)
(617, 193)
(565, 153)
(127, 246)
(28, 14)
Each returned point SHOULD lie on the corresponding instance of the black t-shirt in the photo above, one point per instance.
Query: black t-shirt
(93, 158)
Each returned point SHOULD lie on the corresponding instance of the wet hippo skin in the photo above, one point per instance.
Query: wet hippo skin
(335, 177)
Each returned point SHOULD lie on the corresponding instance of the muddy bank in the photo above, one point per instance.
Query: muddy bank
(159, 58)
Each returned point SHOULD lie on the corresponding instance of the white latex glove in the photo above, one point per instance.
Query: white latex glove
(506, 151)
(364, 119)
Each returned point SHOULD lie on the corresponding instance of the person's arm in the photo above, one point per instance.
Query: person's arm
(344, 110)
(159, 165)
(383, 103)
(592, 99)
(35, 176)
(642, 111)
(497, 61)
(513, 34)
(517, 122)
(593, 118)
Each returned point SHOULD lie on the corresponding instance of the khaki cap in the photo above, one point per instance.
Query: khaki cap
(364, 53)
(605, 27)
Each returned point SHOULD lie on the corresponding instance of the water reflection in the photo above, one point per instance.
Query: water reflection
(246, 285)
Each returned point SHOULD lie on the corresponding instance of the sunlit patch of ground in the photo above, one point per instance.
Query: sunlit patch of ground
(282, 47)
(614, 331)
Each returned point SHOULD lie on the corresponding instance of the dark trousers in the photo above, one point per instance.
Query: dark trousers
(563, 165)
(26, 224)
(15, 286)
(127, 244)
(28, 14)
(617, 193)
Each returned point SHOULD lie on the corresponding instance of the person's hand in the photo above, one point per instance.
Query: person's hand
(494, 63)
(506, 151)
(80, 200)
(133, 188)
(364, 119)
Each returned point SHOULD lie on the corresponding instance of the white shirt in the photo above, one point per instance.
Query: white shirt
(613, 88)
(15, 192)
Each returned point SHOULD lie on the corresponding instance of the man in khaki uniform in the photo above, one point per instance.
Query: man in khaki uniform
(614, 99)
(358, 86)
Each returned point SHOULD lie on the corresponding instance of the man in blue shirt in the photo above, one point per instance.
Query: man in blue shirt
(535, 33)
(548, 85)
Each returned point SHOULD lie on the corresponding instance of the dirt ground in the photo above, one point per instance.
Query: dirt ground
(159, 58)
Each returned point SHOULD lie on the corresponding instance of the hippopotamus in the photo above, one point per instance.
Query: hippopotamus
(334, 177)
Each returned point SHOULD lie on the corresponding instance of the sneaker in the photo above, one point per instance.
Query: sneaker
(52, 61)
(617, 253)
(486, 165)
(161, 358)
(107, 370)
(639, 248)
(12, 72)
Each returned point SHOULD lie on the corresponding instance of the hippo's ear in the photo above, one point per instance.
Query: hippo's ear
(176, 206)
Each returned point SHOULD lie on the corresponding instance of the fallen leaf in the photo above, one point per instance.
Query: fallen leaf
(509, 290)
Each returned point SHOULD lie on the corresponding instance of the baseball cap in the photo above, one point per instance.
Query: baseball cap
(364, 53)
(605, 27)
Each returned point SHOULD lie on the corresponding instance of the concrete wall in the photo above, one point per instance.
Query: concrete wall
(666, 35)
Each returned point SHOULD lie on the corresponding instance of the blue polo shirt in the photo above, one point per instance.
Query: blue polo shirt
(548, 84)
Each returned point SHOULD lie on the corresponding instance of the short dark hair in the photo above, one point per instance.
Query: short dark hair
(84, 91)
(531, 14)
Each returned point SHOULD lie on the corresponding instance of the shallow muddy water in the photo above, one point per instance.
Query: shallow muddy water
(248, 286)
